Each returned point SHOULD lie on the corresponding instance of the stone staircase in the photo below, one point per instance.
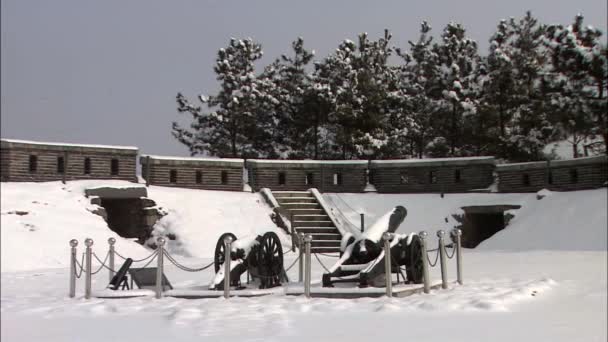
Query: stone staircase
(308, 217)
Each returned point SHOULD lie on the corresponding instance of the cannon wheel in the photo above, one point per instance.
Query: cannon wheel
(220, 252)
(270, 260)
(414, 271)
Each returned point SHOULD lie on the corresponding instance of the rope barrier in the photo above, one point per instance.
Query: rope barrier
(80, 265)
(294, 262)
(319, 260)
(453, 251)
(103, 263)
(155, 254)
(436, 258)
(140, 260)
(186, 268)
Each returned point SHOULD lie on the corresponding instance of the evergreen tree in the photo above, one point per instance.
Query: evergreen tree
(458, 58)
(578, 79)
(418, 77)
(235, 127)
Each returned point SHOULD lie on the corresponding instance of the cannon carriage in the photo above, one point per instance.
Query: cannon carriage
(261, 256)
(362, 259)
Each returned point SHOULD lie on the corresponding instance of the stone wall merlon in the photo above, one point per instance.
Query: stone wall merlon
(79, 148)
(521, 166)
(306, 164)
(192, 161)
(433, 162)
(552, 164)
(580, 161)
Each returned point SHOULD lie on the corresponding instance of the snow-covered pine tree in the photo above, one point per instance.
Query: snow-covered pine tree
(236, 125)
(458, 58)
(359, 86)
(417, 77)
(297, 120)
(578, 79)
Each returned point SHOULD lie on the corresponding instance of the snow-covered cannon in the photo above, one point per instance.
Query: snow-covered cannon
(261, 256)
(362, 259)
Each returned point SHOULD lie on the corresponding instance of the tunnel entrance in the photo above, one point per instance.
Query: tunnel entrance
(127, 211)
(483, 221)
(125, 216)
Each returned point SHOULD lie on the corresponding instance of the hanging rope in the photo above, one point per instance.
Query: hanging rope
(185, 268)
(436, 257)
(319, 260)
(134, 260)
(155, 254)
(453, 251)
(80, 265)
(294, 262)
(103, 263)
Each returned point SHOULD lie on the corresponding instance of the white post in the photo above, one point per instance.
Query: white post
(425, 265)
(159, 267)
(227, 259)
(301, 248)
(457, 233)
(73, 244)
(307, 273)
(387, 263)
(111, 242)
(443, 260)
(89, 266)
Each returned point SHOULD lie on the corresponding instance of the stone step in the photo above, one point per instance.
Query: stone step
(327, 237)
(290, 206)
(317, 230)
(296, 212)
(325, 250)
(324, 243)
(298, 224)
(288, 200)
(292, 194)
(312, 217)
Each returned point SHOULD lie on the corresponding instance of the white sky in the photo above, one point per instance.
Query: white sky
(107, 72)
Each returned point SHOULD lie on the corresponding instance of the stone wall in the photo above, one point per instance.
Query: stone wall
(18, 159)
(300, 175)
(432, 175)
(193, 173)
(560, 175)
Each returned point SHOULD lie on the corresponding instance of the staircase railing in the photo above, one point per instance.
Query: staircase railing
(343, 229)
(280, 215)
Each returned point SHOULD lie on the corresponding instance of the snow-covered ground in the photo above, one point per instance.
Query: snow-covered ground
(543, 278)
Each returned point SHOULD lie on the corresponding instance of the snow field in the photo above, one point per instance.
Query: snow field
(543, 278)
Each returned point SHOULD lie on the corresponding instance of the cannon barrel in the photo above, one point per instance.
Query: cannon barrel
(369, 245)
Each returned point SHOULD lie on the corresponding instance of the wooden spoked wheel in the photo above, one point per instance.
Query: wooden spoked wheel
(220, 251)
(414, 270)
(270, 260)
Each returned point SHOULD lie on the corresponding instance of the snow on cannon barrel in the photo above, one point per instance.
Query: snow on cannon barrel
(261, 256)
(362, 259)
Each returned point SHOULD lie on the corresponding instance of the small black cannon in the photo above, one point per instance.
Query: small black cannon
(261, 256)
(362, 259)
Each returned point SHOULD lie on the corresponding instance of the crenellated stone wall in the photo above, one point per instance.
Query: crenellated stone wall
(299, 175)
(193, 173)
(26, 161)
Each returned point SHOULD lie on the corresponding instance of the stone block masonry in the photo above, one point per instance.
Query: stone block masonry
(28, 161)
(560, 175)
(193, 173)
(432, 175)
(301, 175)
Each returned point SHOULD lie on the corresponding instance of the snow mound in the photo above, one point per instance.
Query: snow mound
(574, 220)
(39, 219)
